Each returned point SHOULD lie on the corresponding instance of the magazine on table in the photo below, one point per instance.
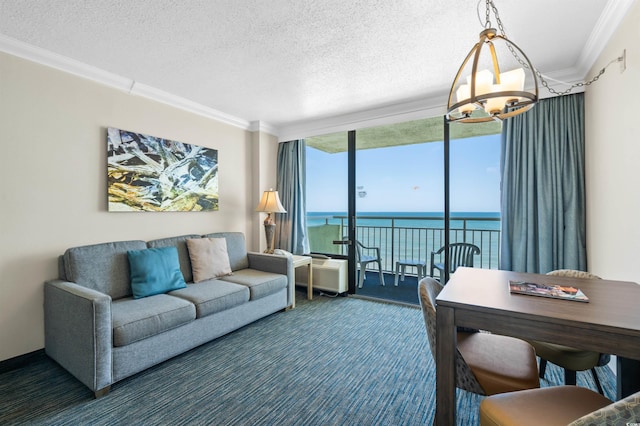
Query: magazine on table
(544, 290)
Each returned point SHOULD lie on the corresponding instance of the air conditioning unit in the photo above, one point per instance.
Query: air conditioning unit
(328, 275)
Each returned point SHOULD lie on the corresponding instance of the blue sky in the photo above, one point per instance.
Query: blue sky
(409, 178)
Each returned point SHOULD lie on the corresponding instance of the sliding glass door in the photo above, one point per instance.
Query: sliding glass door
(399, 204)
(330, 204)
(382, 190)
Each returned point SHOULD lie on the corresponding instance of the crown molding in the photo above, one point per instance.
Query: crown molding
(608, 23)
(53, 60)
(261, 126)
(62, 63)
(161, 96)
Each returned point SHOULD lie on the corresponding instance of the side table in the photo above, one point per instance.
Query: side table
(299, 261)
(402, 264)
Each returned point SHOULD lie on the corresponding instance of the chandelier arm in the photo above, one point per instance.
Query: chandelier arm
(496, 66)
(474, 71)
(459, 73)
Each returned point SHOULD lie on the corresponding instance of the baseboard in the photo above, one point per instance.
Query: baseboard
(21, 361)
(379, 300)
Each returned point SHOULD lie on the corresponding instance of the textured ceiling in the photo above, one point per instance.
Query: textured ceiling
(284, 62)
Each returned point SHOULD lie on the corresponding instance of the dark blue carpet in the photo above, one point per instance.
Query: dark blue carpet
(340, 361)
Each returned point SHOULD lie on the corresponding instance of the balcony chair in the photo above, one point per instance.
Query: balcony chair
(460, 254)
(571, 359)
(486, 364)
(364, 256)
(558, 405)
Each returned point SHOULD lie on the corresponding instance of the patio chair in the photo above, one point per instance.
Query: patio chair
(486, 364)
(460, 254)
(364, 256)
(570, 359)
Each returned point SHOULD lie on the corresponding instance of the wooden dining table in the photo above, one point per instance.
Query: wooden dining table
(480, 298)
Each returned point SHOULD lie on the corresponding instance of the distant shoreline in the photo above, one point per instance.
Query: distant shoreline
(432, 220)
(411, 214)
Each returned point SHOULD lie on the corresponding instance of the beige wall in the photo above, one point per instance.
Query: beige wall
(53, 181)
(613, 158)
(264, 178)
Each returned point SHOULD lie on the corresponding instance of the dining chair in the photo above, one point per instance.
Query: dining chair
(486, 364)
(558, 405)
(460, 254)
(569, 358)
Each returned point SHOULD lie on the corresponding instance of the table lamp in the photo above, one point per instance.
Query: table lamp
(270, 203)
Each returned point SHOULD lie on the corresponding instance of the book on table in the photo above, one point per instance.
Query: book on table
(545, 290)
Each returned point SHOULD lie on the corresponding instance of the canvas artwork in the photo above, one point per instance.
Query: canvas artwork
(147, 173)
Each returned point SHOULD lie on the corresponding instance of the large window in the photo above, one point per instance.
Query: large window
(400, 191)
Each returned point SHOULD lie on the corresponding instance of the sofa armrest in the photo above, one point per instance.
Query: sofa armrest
(78, 332)
(277, 264)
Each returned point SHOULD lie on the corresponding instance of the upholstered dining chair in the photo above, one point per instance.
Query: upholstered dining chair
(486, 364)
(558, 405)
(460, 254)
(570, 359)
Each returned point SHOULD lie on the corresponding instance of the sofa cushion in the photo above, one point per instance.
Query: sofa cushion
(137, 319)
(102, 267)
(213, 296)
(260, 283)
(154, 271)
(180, 243)
(209, 258)
(236, 248)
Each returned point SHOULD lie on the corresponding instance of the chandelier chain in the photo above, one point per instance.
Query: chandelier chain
(487, 20)
(491, 6)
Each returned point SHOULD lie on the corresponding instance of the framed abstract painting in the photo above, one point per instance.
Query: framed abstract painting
(150, 174)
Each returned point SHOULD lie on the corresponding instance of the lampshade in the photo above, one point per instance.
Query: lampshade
(490, 94)
(270, 203)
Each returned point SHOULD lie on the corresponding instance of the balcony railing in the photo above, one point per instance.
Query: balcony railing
(416, 237)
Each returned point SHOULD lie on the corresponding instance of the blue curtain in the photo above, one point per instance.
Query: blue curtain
(543, 190)
(291, 183)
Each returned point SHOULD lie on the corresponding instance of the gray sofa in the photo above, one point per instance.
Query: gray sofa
(97, 331)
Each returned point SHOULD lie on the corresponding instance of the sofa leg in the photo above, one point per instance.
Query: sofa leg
(102, 392)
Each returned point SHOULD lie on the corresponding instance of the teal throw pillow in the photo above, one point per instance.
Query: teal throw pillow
(154, 271)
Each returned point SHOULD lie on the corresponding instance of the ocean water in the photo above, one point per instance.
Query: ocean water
(479, 220)
(403, 235)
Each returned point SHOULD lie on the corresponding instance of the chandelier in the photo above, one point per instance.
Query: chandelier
(482, 91)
